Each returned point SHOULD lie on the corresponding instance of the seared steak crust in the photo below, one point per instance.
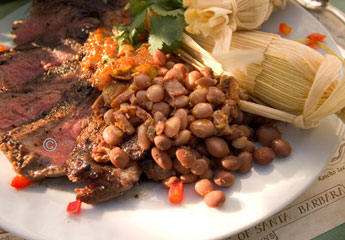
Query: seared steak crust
(106, 181)
(23, 146)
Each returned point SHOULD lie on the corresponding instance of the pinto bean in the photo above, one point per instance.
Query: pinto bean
(162, 158)
(159, 57)
(112, 135)
(266, 134)
(188, 178)
(174, 74)
(167, 182)
(200, 167)
(202, 128)
(169, 65)
(206, 82)
(217, 147)
(263, 155)
(250, 147)
(240, 142)
(178, 167)
(198, 96)
(180, 101)
(215, 199)
(186, 157)
(172, 126)
(202, 110)
(159, 116)
(155, 93)
(230, 163)
(158, 80)
(182, 137)
(183, 115)
(204, 186)
(215, 96)
(247, 132)
(119, 158)
(235, 133)
(142, 81)
(246, 160)
(181, 67)
(224, 178)
(109, 117)
(162, 142)
(207, 72)
(281, 147)
(143, 141)
(207, 175)
(162, 107)
(162, 71)
(190, 80)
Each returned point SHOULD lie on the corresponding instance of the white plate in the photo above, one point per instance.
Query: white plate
(39, 212)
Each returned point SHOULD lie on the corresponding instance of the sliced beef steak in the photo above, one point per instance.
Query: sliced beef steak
(29, 101)
(106, 181)
(57, 19)
(23, 146)
(24, 64)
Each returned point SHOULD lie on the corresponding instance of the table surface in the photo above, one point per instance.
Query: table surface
(336, 28)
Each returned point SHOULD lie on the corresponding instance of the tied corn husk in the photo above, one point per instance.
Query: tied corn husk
(220, 18)
(297, 84)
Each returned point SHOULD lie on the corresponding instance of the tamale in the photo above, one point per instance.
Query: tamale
(297, 83)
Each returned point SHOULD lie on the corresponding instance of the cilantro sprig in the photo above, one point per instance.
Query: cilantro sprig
(163, 21)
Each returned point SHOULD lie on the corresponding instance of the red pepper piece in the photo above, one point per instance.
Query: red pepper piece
(19, 182)
(316, 37)
(313, 45)
(3, 48)
(176, 192)
(74, 207)
(285, 29)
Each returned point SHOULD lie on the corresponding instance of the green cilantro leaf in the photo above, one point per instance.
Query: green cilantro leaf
(122, 36)
(137, 26)
(165, 32)
(137, 6)
(163, 12)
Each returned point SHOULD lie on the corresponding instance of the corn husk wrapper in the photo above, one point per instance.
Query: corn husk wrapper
(218, 19)
(297, 84)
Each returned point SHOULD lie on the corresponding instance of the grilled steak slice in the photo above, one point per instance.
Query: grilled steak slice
(24, 64)
(106, 181)
(28, 102)
(23, 146)
(57, 19)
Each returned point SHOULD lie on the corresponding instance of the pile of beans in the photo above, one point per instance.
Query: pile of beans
(191, 126)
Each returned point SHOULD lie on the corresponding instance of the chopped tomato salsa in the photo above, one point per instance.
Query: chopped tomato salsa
(74, 207)
(313, 45)
(2, 48)
(106, 60)
(176, 192)
(19, 182)
(316, 37)
(285, 29)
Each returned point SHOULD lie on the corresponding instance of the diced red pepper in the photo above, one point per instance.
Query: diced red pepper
(285, 29)
(3, 48)
(176, 192)
(74, 207)
(19, 182)
(313, 45)
(316, 37)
